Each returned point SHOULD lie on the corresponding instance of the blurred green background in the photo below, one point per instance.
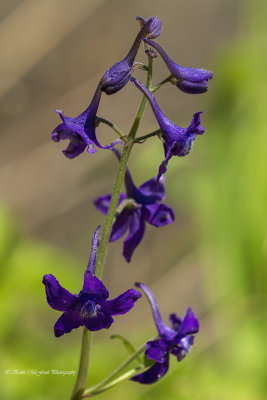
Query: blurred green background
(213, 258)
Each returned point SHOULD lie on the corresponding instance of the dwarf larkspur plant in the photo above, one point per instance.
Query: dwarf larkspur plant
(128, 214)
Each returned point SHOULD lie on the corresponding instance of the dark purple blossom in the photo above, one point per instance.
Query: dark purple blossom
(136, 207)
(116, 77)
(80, 131)
(177, 141)
(175, 340)
(189, 80)
(90, 307)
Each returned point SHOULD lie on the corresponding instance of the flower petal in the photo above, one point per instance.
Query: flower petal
(74, 148)
(75, 126)
(58, 298)
(183, 348)
(120, 225)
(100, 320)
(175, 322)
(59, 133)
(94, 287)
(136, 233)
(154, 188)
(69, 320)
(157, 350)
(190, 324)
(76, 145)
(123, 303)
(193, 87)
(159, 215)
(193, 74)
(102, 203)
(185, 344)
(153, 374)
(195, 126)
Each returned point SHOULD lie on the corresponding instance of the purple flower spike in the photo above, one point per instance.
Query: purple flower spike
(90, 307)
(116, 77)
(80, 130)
(175, 340)
(189, 80)
(135, 208)
(177, 141)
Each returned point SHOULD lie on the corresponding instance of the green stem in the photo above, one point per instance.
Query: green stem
(142, 106)
(125, 364)
(129, 141)
(101, 253)
(111, 125)
(143, 138)
(82, 375)
(127, 375)
(158, 86)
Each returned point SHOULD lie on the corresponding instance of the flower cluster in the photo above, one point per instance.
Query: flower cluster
(129, 212)
(135, 208)
(176, 340)
(80, 130)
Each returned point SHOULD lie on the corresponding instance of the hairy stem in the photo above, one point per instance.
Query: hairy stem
(82, 375)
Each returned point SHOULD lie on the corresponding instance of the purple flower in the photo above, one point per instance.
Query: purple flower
(90, 307)
(175, 340)
(136, 207)
(116, 77)
(80, 130)
(177, 141)
(189, 80)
